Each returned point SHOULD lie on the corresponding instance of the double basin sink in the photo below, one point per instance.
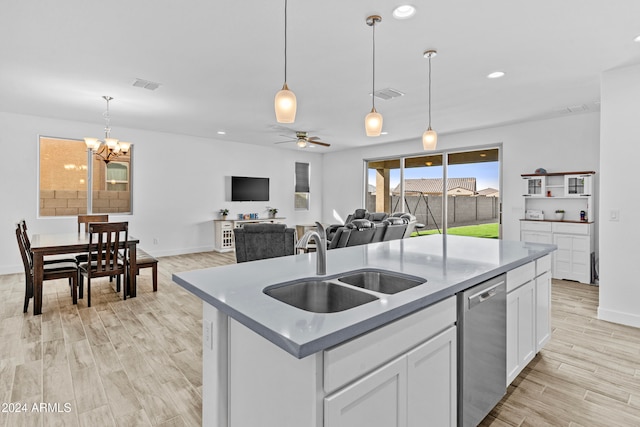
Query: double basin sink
(341, 292)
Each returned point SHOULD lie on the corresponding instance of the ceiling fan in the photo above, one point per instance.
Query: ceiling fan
(303, 140)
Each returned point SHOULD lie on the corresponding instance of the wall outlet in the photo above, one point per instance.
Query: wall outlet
(207, 330)
(155, 241)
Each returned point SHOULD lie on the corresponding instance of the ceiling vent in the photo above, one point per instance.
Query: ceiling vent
(146, 84)
(387, 94)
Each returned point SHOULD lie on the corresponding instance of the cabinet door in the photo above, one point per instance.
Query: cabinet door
(534, 186)
(521, 339)
(432, 381)
(543, 310)
(377, 400)
(572, 259)
(577, 185)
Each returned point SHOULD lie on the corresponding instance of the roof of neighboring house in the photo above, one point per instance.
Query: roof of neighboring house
(434, 185)
(487, 191)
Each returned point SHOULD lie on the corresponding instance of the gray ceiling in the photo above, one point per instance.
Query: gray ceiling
(220, 63)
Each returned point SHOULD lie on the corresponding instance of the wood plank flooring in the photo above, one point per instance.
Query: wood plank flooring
(138, 362)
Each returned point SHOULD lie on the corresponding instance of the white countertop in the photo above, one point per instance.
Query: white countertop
(449, 264)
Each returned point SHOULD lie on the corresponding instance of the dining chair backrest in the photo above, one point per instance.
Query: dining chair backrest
(27, 261)
(108, 238)
(86, 219)
(23, 229)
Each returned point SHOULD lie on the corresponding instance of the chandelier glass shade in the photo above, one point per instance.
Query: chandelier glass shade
(109, 148)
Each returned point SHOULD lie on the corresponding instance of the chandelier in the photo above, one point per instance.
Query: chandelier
(110, 148)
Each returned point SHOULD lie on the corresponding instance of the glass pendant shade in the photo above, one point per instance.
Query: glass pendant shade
(124, 146)
(429, 139)
(285, 105)
(302, 143)
(373, 123)
(92, 143)
(111, 142)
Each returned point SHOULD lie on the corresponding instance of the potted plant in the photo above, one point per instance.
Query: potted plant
(559, 214)
(223, 213)
(272, 212)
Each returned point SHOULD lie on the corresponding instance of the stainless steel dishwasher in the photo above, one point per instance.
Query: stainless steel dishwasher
(482, 349)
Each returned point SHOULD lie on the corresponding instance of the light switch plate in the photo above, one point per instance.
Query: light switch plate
(614, 215)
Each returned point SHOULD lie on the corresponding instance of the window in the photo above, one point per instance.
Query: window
(443, 190)
(71, 184)
(302, 189)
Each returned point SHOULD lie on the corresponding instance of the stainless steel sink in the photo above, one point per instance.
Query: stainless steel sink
(319, 296)
(381, 281)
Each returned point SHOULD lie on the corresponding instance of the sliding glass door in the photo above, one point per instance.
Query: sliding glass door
(456, 191)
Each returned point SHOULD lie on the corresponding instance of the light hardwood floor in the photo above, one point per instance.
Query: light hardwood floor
(138, 362)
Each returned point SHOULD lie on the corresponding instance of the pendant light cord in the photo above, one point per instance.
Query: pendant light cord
(373, 82)
(285, 41)
(430, 91)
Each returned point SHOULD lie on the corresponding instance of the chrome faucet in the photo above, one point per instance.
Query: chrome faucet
(320, 237)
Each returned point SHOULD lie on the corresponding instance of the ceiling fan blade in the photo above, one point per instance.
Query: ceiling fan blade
(324, 144)
(284, 142)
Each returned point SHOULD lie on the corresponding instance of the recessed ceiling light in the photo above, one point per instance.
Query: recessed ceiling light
(496, 75)
(637, 39)
(404, 11)
(221, 132)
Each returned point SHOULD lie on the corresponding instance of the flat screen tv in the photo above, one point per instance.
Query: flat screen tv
(248, 189)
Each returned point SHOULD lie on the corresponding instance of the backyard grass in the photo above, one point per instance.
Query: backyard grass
(488, 231)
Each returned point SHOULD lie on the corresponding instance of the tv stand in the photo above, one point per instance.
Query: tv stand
(223, 230)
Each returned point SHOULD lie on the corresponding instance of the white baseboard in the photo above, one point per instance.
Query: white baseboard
(619, 317)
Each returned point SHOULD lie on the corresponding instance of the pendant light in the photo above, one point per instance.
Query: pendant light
(429, 137)
(285, 101)
(373, 120)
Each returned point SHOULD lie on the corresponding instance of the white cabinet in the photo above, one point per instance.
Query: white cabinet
(534, 186)
(415, 387)
(572, 260)
(571, 192)
(535, 232)
(521, 345)
(377, 400)
(528, 313)
(578, 185)
(543, 309)
(223, 231)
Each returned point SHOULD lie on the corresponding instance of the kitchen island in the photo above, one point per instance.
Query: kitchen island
(268, 363)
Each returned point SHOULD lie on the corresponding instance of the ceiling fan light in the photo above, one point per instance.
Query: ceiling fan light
(429, 139)
(301, 143)
(285, 105)
(373, 123)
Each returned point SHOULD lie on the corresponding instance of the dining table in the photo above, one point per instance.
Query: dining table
(71, 243)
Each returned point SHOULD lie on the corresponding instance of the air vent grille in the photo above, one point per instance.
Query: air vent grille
(146, 84)
(387, 94)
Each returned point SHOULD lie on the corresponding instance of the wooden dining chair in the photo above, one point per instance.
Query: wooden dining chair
(52, 271)
(50, 259)
(106, 239)
(86, 219)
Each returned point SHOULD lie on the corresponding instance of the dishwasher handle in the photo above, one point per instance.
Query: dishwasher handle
(484, 295)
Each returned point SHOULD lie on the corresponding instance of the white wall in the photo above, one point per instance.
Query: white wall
(178, 184)
(619, 155)
(568, 143)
